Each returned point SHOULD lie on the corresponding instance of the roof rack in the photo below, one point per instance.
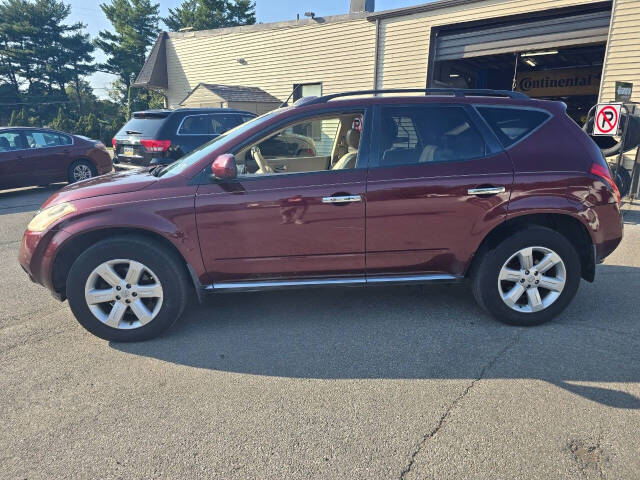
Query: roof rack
(456, 92)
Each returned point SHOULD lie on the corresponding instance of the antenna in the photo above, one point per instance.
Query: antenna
(286, 102)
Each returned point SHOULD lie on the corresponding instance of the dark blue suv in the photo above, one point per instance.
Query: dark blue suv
(161, 136)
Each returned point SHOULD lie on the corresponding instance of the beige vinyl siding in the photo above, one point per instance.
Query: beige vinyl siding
(622, 62)
(340, 55)
(403, 47)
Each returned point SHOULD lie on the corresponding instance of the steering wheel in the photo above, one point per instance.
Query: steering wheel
(264, 167)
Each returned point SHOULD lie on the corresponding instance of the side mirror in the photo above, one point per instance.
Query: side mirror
(224, 167)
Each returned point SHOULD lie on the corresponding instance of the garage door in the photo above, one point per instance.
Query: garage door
(577, 29)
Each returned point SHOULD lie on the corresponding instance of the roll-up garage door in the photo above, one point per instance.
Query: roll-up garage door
(576, 29)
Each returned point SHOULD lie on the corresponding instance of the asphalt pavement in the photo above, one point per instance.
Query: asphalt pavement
(377, 383)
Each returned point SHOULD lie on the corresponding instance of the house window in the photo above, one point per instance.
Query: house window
(300, 90)
(306, 90)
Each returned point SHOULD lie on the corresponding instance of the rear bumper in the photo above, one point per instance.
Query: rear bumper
(144, 161)
(135, 161)
(607, 229)
(103, 162)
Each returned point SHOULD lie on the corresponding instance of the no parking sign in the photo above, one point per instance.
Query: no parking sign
(607, 119)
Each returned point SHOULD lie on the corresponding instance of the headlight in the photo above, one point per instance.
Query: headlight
(48, 216)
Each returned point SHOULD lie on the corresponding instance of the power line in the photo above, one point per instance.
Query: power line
(36, 104)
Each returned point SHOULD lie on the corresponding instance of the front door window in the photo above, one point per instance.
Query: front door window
(316, 144)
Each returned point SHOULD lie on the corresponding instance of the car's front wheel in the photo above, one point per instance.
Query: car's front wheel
(528, 278)
(127, 289)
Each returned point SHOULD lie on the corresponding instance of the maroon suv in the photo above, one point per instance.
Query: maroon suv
(488, 186)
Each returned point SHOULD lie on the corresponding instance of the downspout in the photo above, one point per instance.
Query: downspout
(375, 57)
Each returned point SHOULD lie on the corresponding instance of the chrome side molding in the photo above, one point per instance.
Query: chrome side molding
(328, 282)
(412, 278)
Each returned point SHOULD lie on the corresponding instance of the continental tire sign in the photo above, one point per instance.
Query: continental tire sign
(559, 83)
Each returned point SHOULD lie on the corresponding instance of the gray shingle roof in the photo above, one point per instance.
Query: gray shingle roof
(237, 93)
(154, 70)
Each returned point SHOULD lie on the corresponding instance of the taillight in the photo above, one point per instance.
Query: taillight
(113, 142)
(603, 172)
(156, 146)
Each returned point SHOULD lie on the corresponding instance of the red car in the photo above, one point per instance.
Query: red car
(39, 156)
(486, 186)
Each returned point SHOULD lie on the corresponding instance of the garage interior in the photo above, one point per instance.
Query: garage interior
(556, 56)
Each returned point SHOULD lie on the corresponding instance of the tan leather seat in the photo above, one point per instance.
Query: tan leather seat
(349, 159)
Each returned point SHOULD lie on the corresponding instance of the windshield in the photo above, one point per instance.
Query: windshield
(196, 155)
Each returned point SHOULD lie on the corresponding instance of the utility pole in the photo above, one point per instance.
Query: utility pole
(131, 77)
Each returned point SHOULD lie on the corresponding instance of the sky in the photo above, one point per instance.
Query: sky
(89, 13)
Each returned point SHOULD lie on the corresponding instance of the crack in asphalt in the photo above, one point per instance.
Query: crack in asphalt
(452, 405)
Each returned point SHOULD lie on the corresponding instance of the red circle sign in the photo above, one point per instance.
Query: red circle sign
(607, 122)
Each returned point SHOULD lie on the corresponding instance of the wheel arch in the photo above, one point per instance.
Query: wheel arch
(77, 244)
(568, 225)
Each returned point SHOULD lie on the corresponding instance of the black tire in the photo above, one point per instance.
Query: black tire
(71, 176)
(609, 145)
(166, 266)
(484, 281)
(622, 178)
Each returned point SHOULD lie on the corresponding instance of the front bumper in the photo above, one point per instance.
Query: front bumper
(37, 256)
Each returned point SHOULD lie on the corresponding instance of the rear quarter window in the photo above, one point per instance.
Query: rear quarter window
(512, 124)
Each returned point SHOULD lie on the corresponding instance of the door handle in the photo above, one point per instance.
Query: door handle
(486, 190)
(342, 199)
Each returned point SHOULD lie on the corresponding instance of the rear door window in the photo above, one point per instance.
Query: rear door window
(513, 124)
(37, 139)
(195, 125)
(423, 134)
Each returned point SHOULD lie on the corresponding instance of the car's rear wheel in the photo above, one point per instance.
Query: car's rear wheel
(127, 290)
(529, 278)
(81, 170)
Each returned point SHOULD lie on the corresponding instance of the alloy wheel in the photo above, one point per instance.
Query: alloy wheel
(81, 172)
(532, 279)
(123, 294)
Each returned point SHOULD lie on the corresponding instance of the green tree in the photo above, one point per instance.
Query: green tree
(207, 14)
(19, 118)
(63, 121)
(40, 53)
(13, 119)
(135, 27)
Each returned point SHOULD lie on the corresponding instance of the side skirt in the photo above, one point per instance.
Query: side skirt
(330, 282)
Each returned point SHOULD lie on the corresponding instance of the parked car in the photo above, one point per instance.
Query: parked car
(39, 156)
(491, 187)
(155, 137)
